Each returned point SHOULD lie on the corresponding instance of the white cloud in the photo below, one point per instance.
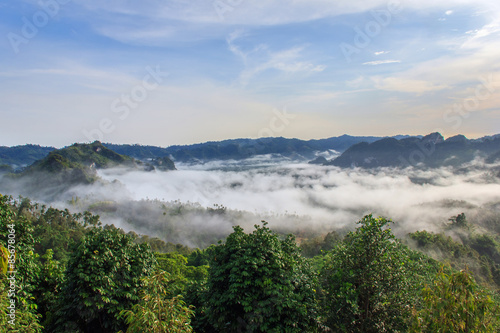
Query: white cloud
(381, 52)
(479, 37)
(449, 12)
(381, 62)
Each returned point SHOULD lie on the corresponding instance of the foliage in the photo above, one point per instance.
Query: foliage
(76, 276)
(159, 311)
(59, 230)
(176, 265)
(49, 285)
(24, 270)
(367, 284)
(455, 304)
(199, 257)
(103, 278)
(259, 283)
(459, 221)
(480, 252)
(94, 153)
(159, 245)
(315, 246)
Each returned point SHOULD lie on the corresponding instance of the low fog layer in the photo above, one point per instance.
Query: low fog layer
(196, 205)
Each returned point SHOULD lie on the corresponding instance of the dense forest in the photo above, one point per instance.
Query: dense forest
(65, 272)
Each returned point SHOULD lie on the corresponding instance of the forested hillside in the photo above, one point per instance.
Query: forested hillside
(72, 166)
(21, 156)
(64, 272)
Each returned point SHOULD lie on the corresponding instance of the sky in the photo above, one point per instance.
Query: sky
(165, 72)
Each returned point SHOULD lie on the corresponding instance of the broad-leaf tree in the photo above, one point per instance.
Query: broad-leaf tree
(160, 310)
(455, 304)
(260, 283)
(103, 278)
(366, 281)
(17, 241)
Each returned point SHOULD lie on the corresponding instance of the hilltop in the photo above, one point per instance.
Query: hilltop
(76, 165)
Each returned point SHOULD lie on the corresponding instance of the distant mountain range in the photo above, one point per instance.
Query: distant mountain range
(355, 151)
(428, 151)
(237, 149)
(20, 156)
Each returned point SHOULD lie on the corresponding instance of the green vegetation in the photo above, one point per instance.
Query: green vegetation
(75, 275)
(454, 303)
(74, 165)
(259, 283)
(370, 280)
(480, 252)
(80, 157)
(159, 309)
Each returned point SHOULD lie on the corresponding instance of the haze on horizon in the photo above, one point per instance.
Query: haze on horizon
(180, 72)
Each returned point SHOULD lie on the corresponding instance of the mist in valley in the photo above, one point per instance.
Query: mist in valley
(197, 205)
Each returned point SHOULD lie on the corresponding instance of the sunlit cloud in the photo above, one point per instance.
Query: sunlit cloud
(406, 85)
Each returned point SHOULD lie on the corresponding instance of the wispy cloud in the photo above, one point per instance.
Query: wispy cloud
(260, 59)
(381, 62)
(286, 61)
(477, 37)
(269, 12)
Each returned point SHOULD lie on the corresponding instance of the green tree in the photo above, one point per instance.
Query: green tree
(17, 231)
(366, 281)
(259, 283)
(459, 221)
(313, 247)
(103, 278)
(455, 304)
(159, 311)
(49, 285)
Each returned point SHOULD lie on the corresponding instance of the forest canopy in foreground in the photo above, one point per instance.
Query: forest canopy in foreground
(64, 272)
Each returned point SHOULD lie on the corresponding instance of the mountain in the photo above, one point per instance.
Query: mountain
(364, 151)
(76, 164)
(243, 148)
(93, 156)
(429, 151)
(73, 165)
(21, 156)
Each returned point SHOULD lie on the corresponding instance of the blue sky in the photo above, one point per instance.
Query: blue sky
(167, 72)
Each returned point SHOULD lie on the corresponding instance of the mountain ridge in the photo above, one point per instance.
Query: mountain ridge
(19, 157)
(431, 150)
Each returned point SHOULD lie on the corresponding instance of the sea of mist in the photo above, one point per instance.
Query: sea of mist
(198, 204)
